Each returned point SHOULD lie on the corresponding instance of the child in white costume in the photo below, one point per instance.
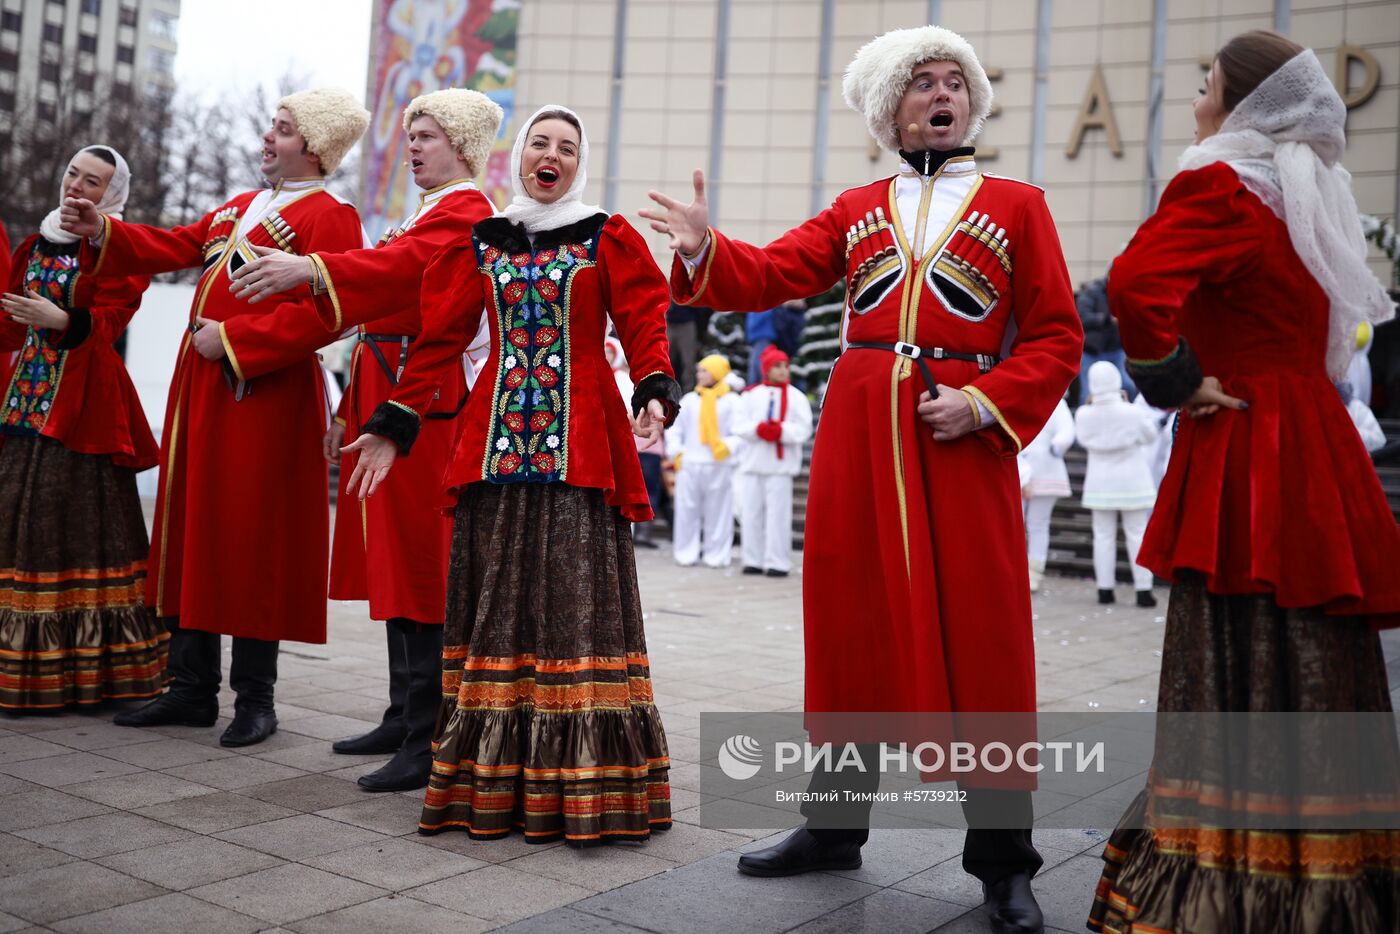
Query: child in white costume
(1160, 454)
(1048, 480)
(1119, 437)
(701, 443)
(774, 419)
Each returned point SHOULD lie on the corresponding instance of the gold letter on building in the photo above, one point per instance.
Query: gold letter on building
(1095, 111)
(1346, 54)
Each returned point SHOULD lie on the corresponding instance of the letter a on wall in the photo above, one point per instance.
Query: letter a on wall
(1095, 111)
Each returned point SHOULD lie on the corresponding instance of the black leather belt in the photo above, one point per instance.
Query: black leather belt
(403, 340)
(921, 356)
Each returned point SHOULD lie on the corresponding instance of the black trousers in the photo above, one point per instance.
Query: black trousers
(684, 338)
(989, 853)
(195, 666)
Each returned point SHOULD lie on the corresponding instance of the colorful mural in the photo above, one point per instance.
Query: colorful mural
(424, 45)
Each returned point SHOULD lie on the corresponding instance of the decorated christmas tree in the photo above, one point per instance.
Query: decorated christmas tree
(821, 340)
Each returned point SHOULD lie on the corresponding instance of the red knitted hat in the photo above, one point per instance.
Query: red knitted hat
(771, 355)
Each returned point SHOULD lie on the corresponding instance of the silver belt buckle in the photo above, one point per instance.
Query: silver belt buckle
(912, 351)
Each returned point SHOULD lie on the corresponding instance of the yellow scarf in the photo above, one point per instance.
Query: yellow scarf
(709, 419)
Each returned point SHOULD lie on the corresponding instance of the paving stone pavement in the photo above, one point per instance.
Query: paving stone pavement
(115, 830)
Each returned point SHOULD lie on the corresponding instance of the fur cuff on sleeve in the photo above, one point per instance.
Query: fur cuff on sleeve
(661, 387)
(1169, 382)
(79, 327)
(396, 423)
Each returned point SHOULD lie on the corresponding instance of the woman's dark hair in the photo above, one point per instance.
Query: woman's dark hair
(1249, 58)
(103, 153)
(559, 115)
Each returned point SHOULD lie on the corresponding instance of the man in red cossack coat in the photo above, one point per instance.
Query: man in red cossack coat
(958, 337)
(241, 536)
(392, 548)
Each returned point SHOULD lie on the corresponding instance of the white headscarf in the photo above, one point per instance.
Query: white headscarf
(111, 204)
(1285, 140)
(570, 208)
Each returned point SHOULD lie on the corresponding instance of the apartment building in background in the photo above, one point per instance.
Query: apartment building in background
(87, 48)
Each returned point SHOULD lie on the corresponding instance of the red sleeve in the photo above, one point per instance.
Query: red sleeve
(363, 285)
(261, 342)
(98, 308)
(140, 249)
(636, 296)
(113, 301)
(12, 333)
(1204, 230)
(737, 276)
(452, 302)
(342, 411)
(1044, 355)
(4, 255)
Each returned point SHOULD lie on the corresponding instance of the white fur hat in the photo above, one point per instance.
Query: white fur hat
(878, 75)
(331, 119)
(470, 119)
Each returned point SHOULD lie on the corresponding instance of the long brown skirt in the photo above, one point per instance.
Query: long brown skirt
(73, 625)
(1246, 654)
(547, 723)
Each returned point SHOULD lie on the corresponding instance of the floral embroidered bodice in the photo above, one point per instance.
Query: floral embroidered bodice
(528, 432)
(51, 273)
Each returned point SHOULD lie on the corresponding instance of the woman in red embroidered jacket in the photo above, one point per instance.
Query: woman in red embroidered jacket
(73, 625)
(1239, 299)
(548, 723)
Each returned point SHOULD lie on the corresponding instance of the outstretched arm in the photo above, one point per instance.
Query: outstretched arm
(452, 309)
(132, 249)
(289, 331)
(711, 269)
(356, 286)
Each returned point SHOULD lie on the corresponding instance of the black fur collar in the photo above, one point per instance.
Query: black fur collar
(501, 233)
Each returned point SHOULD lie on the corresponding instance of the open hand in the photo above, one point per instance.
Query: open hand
(376, 457)
(207, 341)
(273, 271)
(1208, 398)
(34, 310)
(686, 224)
(79, 216)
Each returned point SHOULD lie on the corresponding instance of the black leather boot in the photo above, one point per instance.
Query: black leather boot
(1106, 595)
(800, 852)
(1012, 907)
(1146, 599)
(253, 675)
(413, 762)
(389, 735)
(193, 697)
(169, 710)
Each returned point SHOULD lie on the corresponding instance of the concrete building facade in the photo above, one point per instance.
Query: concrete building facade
(90, 48)
(1093, 96)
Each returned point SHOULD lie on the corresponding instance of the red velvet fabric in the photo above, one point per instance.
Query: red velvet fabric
(96, 409)
(916, 595)
(241, 538)
(623, 285)
(1280, 498)
(392, 548)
